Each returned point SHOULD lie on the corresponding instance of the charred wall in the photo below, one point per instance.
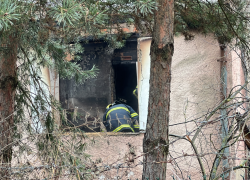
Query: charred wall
(89, 100)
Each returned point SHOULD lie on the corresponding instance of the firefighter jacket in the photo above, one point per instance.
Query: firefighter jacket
(135, 92)
(121, 118)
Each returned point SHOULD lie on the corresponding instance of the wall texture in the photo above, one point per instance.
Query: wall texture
(90, 98)
(195, 90)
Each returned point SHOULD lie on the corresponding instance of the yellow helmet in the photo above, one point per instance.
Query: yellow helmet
(108, 106)
(114, 103)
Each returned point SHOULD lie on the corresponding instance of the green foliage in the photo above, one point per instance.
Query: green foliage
(67, 13)
(7, 14)
(226, 21)
(145, 7)
(47, 31)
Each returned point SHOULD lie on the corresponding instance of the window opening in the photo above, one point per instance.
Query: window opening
(85, 104)
(125, 82)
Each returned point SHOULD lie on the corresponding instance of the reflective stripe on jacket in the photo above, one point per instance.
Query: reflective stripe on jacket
(135, 92)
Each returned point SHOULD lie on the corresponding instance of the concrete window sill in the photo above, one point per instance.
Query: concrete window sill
(103, 134)
(113, 134)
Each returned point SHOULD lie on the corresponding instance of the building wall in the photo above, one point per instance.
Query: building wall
(238, 79)
(90, 98)
(195, 80)
(120, 153)
(195, 90)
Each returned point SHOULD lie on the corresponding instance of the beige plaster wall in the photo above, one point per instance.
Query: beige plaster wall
(195, 80)
(238, 79)
(195, 90)
(121, 153)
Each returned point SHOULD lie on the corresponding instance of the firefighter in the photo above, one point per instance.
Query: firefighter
(135, 92)
(121, 118)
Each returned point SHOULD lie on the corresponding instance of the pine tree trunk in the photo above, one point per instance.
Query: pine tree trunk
(8, 82)
(155, 143)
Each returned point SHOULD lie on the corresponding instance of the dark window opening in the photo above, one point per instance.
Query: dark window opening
(125, 82)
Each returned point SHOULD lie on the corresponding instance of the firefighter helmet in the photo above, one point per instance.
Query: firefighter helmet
(108, 106)
(114, 103)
